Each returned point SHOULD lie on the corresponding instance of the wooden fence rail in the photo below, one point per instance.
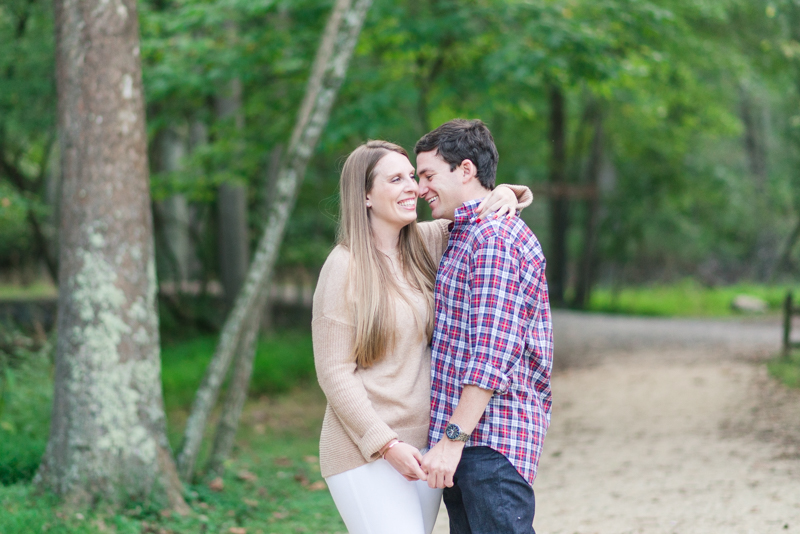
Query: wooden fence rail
(789, 311)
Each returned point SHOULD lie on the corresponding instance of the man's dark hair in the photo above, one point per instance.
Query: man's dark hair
(461, 139)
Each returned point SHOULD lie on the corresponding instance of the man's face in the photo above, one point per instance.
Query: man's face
(438, 185)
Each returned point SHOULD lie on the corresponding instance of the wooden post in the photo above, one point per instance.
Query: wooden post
(788, 309)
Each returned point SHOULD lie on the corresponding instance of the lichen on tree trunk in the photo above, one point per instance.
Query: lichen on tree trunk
(108, 432)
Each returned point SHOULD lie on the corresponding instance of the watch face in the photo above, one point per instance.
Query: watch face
(452, 431)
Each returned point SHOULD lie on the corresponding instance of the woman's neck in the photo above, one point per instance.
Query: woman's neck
(387, 239)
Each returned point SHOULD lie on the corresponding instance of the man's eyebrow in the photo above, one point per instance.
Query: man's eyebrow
(420, 172)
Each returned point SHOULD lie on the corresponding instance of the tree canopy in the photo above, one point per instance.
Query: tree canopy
(699, 105)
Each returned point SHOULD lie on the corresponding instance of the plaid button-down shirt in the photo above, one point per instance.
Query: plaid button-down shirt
(493, 330)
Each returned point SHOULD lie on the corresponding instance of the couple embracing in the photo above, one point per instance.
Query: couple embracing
(433, 334)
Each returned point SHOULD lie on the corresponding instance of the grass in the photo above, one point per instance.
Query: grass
(684, 299)
(272, 483)
(282, 361)
(36, 290)
(786, 369)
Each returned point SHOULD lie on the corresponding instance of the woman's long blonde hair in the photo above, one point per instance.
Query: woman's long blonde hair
(371, 283)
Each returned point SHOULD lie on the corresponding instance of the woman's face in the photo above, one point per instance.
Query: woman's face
(393, 198)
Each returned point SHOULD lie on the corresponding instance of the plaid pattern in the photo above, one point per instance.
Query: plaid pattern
(493, 330)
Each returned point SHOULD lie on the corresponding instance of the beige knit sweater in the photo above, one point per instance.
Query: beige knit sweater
(368, 407)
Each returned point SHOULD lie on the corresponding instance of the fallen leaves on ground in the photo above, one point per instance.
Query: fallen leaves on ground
(246, 476)
(216, 485)
(319, 485)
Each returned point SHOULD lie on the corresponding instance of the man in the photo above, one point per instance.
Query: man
(492, 346)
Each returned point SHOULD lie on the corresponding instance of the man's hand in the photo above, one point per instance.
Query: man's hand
(441, 461)
(405, 459)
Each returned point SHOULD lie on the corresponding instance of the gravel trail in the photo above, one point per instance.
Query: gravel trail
(667, 426)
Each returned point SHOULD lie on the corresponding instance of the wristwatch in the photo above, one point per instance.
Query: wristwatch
(454, 433)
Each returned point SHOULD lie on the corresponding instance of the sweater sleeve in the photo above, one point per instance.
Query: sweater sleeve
(524, 195)
(435, 235)
(337, 375)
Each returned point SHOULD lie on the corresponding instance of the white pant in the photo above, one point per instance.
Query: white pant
(376, 499)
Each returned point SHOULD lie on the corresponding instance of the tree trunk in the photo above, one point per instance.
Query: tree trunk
(559, 216)
(232, 236)
(784, 262)
(236, 395)
(52, 197)
(754, 142)
(587, 266)
(267, 194)
(174, 211)
(108, 432)
(330, 66)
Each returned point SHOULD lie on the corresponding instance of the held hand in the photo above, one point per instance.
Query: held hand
(501, 201)
(441, 461)
(405, 459)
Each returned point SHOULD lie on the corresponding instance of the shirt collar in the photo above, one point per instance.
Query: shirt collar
(467, 213)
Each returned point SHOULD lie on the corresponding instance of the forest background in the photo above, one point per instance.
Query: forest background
(661, 140)
(663, 135)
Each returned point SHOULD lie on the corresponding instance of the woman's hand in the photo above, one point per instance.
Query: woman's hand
(405, 459)
(501, 201)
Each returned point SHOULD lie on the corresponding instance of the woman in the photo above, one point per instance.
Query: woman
(371, 327)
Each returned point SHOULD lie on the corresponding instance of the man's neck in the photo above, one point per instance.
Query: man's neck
(474, 191)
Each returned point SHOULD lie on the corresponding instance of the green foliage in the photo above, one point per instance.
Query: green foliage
(16, 235)
(25, 403)
(683, 299)
(27, 118)
(787, 370)
(678, 194)
(281, 490)
(282, 361)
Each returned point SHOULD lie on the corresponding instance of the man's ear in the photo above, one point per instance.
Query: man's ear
(468, 171)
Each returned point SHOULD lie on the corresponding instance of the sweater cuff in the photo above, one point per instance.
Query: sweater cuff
(376, 437)
(524, 195)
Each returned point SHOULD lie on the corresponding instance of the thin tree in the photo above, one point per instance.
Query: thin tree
(330, 66)
(108, 432)
(559, 204)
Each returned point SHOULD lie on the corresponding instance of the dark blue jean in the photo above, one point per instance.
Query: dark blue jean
(489, 496)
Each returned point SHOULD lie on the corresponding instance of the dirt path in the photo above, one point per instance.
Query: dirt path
(667, 426)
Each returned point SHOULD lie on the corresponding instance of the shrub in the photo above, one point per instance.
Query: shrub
(26, 387)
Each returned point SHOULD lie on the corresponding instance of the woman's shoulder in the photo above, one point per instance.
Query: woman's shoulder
(339, 258)
(331, 292)
(436, 229)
